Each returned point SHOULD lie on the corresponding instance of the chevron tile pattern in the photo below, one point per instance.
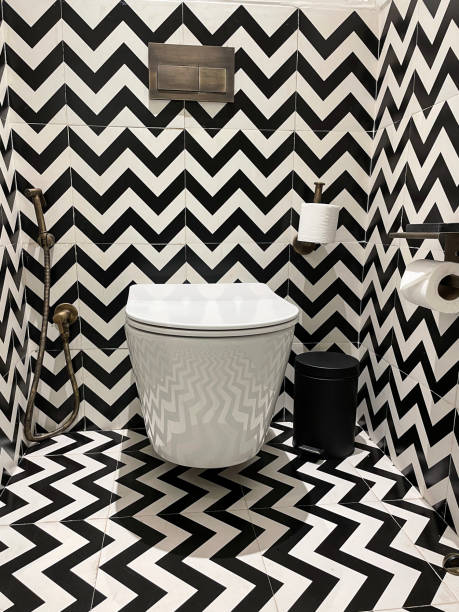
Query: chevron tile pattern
(159, 191)
(152, 191)
(326, 286)
(410, 368)
(104, 278)
(239, 185)
(265, 43)
(419, 436)
(93, 520)
(373, 395)
(13, 327)
(387, 193)
(106, 61)
(396, 66)
(432, 169)
(437, 53)
(425, 342)
(34, 49)
(337, 69)
(342, 160)
(110, 394)
(128, 185)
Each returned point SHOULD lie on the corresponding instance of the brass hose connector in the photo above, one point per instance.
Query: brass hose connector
(64, 316)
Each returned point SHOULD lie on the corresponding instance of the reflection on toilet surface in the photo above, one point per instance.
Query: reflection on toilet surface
(208, 401)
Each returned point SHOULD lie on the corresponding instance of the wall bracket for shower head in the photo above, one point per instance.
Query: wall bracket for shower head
(305, 248)
(44, 237)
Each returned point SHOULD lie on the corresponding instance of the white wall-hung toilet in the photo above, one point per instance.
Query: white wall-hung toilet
(209, 361)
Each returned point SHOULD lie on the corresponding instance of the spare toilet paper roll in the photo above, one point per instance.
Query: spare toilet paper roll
(318, 223)
(421, 284)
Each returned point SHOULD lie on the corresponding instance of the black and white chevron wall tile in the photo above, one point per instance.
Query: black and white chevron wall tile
(337, 68)
(374, 396)
(387, 193)
(265, 41)
(12, 303)
(437, 53)
(55, 401)
(379, 288)
(246, 262)
(327, 288)
(413, 181)
(63, 289)
(396, 64)
(432, 176)
(452, 495)
(42, 159)
(36, 83)
(238, 185)
(419, 436)
(425, 342)
(10, 426)
(110, 394)
(128, 185)
(106, 61)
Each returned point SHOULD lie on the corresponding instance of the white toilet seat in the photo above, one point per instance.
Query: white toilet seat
(224, 309)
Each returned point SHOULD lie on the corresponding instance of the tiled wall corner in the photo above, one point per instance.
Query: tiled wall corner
(414, 180)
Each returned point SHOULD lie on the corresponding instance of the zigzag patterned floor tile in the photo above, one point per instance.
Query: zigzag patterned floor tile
(384, 480)
(183, 562)
(146, 485)
(343, 557)
(183, 539)
(282, 476)
(50, 566)
(90, 442)
(429, 533)
(48, 488)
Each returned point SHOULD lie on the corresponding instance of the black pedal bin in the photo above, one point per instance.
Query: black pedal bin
(325, 403)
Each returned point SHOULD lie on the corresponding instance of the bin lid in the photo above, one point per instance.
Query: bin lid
(326, 364)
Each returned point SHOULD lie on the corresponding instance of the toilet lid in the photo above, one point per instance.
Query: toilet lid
(208, 307)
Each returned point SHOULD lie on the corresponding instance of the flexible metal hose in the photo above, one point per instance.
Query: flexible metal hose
(28, 425)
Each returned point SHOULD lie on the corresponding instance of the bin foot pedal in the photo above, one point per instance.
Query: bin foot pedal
(311, 450)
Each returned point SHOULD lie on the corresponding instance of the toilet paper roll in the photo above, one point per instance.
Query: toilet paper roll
(422, 284)
(318, 223)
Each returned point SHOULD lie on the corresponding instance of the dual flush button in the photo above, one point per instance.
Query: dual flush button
(191, 72)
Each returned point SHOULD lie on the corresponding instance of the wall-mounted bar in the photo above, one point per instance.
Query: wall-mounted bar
(446, 233)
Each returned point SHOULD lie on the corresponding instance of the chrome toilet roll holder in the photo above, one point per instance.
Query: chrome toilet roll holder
(448, 236)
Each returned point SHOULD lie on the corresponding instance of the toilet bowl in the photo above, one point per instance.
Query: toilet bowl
(208, 361)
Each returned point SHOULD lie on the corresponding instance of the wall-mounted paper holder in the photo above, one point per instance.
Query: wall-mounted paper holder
(446, 233)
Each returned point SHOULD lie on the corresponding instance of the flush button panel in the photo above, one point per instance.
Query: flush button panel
(191, 72)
